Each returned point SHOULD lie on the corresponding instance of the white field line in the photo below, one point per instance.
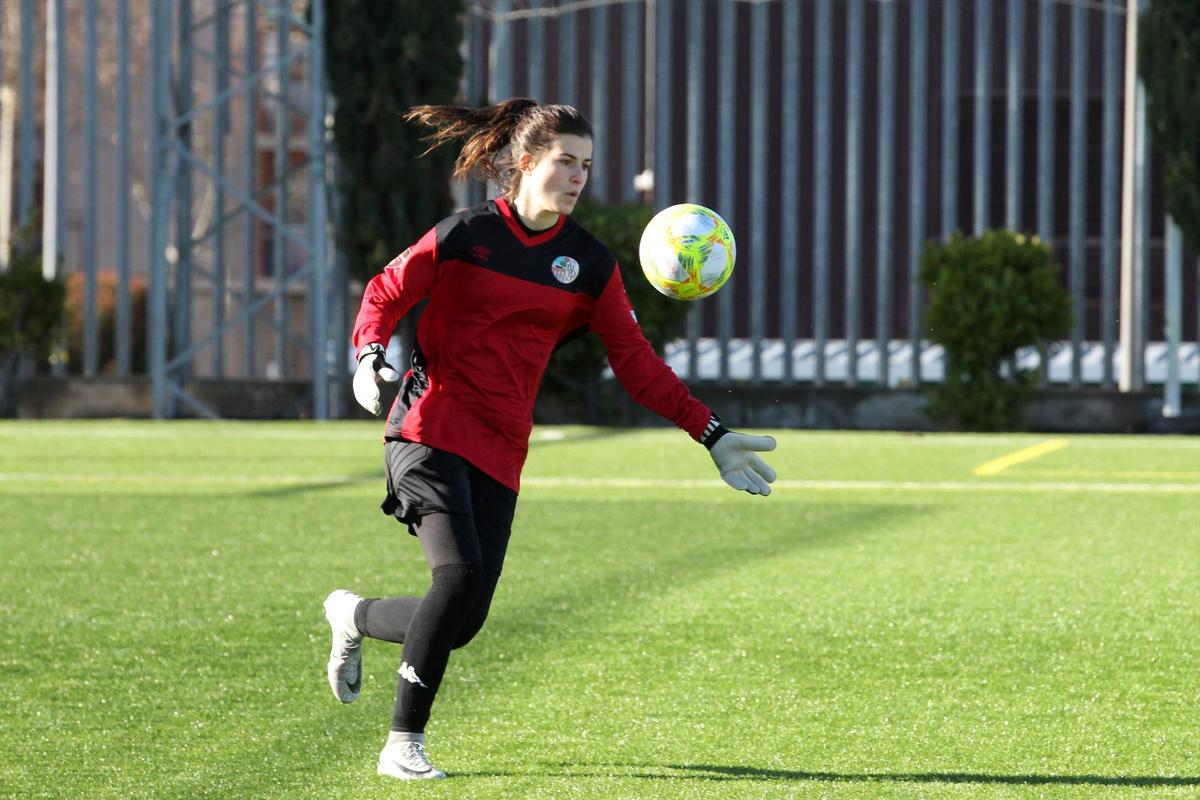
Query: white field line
(626, 483)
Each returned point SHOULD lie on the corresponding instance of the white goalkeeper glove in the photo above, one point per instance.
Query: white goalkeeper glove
(372, 369)
(736, 456)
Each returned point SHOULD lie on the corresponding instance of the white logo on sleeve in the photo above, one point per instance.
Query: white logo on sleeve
(409, 674)
(565, 269)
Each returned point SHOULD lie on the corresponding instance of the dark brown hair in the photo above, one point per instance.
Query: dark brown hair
(495, 136)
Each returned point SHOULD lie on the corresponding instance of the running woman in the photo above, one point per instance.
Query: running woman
(507, 281)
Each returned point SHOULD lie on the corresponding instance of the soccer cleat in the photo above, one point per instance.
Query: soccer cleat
(345, 656)
(407, 761)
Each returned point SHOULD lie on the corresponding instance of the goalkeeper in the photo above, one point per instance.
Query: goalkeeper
(507, 281)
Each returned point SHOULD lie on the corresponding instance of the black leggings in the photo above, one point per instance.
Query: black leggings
(465, 553)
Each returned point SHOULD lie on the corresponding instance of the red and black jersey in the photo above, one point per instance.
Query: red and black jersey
(500, 299)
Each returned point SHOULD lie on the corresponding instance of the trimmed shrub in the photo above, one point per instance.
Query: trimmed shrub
(989, 296)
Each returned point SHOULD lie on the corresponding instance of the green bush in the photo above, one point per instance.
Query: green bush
(988, 297)
(576, 367)
(31, 312)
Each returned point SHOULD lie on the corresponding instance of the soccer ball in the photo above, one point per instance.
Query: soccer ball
(687, 251)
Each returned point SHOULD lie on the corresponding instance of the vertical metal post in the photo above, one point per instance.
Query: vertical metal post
(1133, 164)
(51, 196)
(536, 72)
(1173, 306)
(758, 185)
(283, 27)
(663, 144)
(1108, 194)
(25, 147)
(919, 38)
(789, 190)
(822, 146)
(160, 180)
(950, 34)
(629, 99)
(1014, 113)
(1078, 167)
(887, 128)
(250, 159)
(726, 133)
(183, 197)
(500, 54)
(1046, 103)
(319, 339)
(601, 77)
(568, 38)
(983, 114)
(854, 154)
(124, 321)
(91, 333)
(477, 89)
(220, 130)
(696, 108)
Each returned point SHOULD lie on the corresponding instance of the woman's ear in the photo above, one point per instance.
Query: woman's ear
(526, 163)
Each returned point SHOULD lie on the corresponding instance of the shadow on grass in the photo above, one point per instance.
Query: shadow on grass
(727, 773)
(712, 772)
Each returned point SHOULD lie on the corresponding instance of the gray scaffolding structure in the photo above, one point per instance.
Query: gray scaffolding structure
(175, 164)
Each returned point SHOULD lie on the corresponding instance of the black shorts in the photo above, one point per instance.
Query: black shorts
(424, 480)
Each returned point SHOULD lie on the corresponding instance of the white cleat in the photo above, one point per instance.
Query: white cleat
(407, 761)
(345, 656)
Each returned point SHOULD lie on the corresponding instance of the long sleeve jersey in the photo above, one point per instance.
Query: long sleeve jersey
(501, 298)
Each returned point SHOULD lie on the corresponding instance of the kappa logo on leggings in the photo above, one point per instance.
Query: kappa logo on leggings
(409, 674)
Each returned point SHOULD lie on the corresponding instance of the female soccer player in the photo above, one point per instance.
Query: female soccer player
(507, 281)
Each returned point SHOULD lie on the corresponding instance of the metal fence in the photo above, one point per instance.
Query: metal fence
(838, 136)
(182, 145)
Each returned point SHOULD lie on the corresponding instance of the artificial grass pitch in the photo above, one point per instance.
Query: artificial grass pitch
(887, 624)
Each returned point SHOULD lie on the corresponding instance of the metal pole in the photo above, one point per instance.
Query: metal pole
(1108, 193)
(758, 186)
(220, 131)
(601, 77)
(854, 155)
(789, 191)
(279, 245)
(983, 113)
(696, 109)
(1129, 373)
(887, 129)
(1173, 306)
(124, 334)
(183, 197)
(663, 194)
(250, 158)
(500, 54)
(320, 342)
(159, 204)
(950, 34)
(1014, 115)
(821, 192)
(50, 159)
(1045, 144)
(919, 36)
(726, 58)
(91, 333)
(1078, 167)
(25, 147)
(629, 100)
(536, 73)
(568, 48)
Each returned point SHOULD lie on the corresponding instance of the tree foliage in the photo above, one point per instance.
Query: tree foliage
(1169, 62)
(382, 59)
(31, 311)
(989, 296)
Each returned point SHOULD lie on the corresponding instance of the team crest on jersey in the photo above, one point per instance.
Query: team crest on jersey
(565, 269)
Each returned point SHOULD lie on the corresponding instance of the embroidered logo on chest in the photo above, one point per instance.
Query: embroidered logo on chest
(565, 269)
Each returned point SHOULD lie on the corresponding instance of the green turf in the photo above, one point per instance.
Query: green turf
(885, 625)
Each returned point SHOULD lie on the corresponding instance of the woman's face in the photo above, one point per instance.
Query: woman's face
(552, 183)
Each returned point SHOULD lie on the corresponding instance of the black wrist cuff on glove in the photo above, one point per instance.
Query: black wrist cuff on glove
(713, 432)
(370, 350)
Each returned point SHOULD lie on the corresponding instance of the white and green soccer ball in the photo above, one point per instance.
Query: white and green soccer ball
(687, 251)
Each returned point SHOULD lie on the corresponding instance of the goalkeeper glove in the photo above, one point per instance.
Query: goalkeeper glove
(372, 369)
(736, 456)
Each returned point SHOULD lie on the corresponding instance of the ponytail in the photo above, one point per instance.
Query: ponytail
(496, 135)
